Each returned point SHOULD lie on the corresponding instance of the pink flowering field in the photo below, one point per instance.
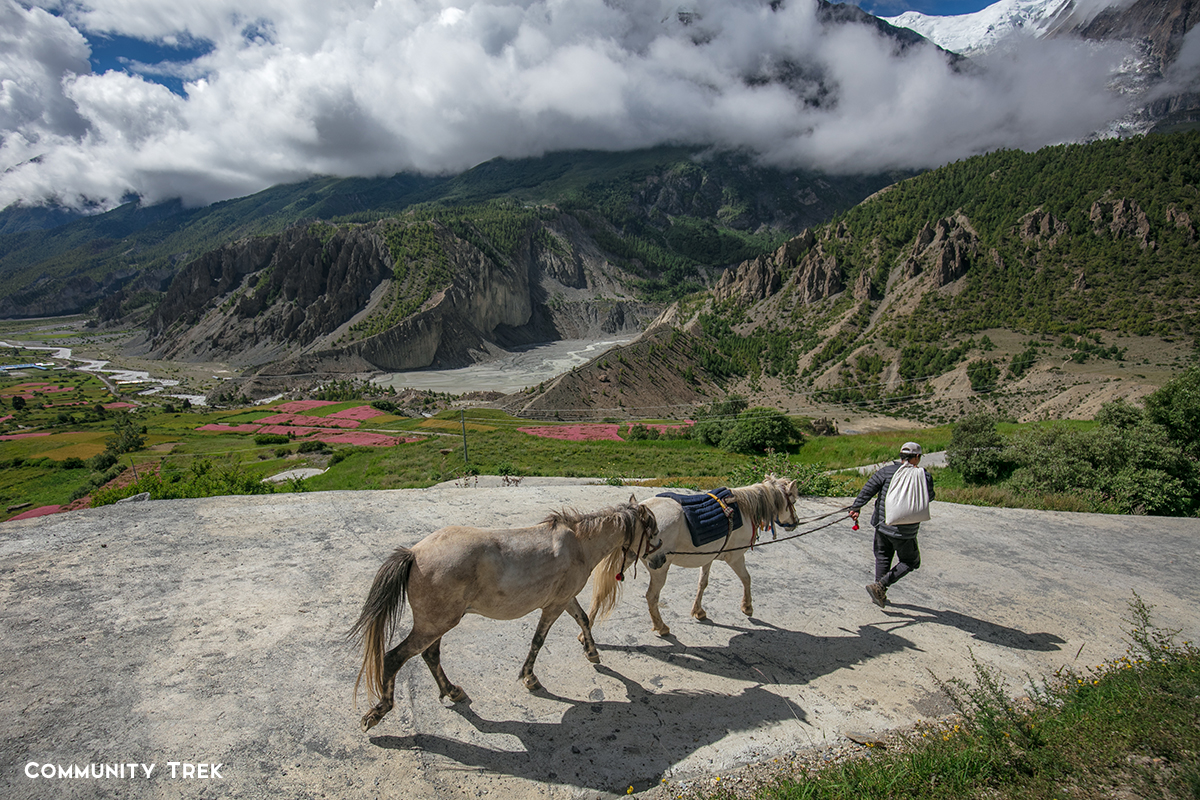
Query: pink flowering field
(293, 421)
(593, 432)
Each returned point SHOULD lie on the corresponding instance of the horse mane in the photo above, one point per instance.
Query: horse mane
(761, 502)
(588, 525)
(606, 589)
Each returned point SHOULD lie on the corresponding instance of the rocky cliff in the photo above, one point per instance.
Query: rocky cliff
(318, 301)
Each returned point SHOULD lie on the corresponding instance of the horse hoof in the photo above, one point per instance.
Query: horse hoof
(700, 615)
(593, 657)
(456, 694)
(748, 611)
(369, 721)
(664, 631)
(532, 683)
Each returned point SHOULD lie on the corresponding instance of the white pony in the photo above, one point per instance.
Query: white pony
(773, 501)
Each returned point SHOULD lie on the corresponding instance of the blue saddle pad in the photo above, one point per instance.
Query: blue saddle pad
(705, 517)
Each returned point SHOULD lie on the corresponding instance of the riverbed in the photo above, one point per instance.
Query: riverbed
(511, 373)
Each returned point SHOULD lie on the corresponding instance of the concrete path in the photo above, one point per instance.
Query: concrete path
(212, 632)
(937, 459)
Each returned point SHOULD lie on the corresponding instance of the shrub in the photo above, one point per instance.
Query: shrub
(640, 432)
(1138, 470)
(102, 461)
(1176, 407)
(270, 438)
(1119, 414)
(202, 479)
(811, 479)
(983, 375)
(312, 446)
(126, 436)
(976, 449)
(759, 429)
(72, 462)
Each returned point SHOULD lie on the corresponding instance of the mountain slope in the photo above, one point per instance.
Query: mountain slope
(968, 34)
(135, 250)
(1001, 280)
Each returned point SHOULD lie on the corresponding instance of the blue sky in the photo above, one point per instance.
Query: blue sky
(936, 8)
(152, 60)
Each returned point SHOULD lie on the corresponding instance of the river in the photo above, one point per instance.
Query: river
(511, 373)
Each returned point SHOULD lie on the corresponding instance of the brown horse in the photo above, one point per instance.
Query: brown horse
(500, 574)
(773, 501)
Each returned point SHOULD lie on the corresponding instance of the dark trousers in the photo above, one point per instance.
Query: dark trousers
(905, 550)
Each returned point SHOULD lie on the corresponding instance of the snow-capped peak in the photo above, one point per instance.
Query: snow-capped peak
(968, 33)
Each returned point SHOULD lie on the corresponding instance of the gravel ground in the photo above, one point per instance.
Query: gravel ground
(212, 631)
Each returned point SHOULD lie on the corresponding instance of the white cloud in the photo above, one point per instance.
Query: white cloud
(292, 88)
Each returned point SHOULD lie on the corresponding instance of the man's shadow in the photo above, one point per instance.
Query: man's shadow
(979, 629)
(609, 744)
(775, 655)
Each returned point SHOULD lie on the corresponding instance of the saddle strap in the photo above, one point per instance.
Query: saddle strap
(728, 513)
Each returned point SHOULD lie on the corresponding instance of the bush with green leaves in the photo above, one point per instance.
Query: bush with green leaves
(271, 438)
(127, 436)
(1120, 414)
(203, 478)
(1176, 407)
(1135, 470)
(976, 449)
(759, 429)
(712, 422)
(812, 480)
(984, 375)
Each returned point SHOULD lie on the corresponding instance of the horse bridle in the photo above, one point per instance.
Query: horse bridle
(638, 554)
(791, 508)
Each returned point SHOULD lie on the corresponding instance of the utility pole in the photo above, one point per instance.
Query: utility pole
(462, 416)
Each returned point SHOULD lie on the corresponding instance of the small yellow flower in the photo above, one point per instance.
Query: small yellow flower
(629, 790)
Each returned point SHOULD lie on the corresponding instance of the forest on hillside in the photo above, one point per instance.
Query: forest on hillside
(1074, 244)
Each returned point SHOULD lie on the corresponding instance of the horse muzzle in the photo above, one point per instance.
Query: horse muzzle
(787, 527)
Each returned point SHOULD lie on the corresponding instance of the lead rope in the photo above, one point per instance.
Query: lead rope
(773, 541)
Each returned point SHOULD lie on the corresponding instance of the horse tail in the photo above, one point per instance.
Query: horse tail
(606, 590)
(380, 614)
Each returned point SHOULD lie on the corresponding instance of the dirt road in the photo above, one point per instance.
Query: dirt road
(211, 632)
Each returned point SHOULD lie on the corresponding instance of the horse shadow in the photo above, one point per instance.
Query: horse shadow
(982, 630)
(609, 744)
(775, 655)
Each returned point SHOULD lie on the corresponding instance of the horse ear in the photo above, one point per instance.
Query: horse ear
(632, 500)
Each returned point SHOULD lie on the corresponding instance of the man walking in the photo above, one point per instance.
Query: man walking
(899, 540)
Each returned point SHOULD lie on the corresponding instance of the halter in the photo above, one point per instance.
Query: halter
(638, 555)
(785, 526)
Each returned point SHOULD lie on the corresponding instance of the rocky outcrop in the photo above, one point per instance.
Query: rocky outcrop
(944, 249)
(1182, 221)
(759, 278)
(818, 276)
(749, 282)
(304, 302)
(1120, 219)
(1042, 228)
(252, 300)
(864, 287)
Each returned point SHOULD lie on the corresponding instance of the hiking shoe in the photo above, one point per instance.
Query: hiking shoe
(878, 594)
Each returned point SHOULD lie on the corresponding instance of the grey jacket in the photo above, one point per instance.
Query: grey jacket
(877, 487)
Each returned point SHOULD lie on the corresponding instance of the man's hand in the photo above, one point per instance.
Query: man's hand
(854, 514)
